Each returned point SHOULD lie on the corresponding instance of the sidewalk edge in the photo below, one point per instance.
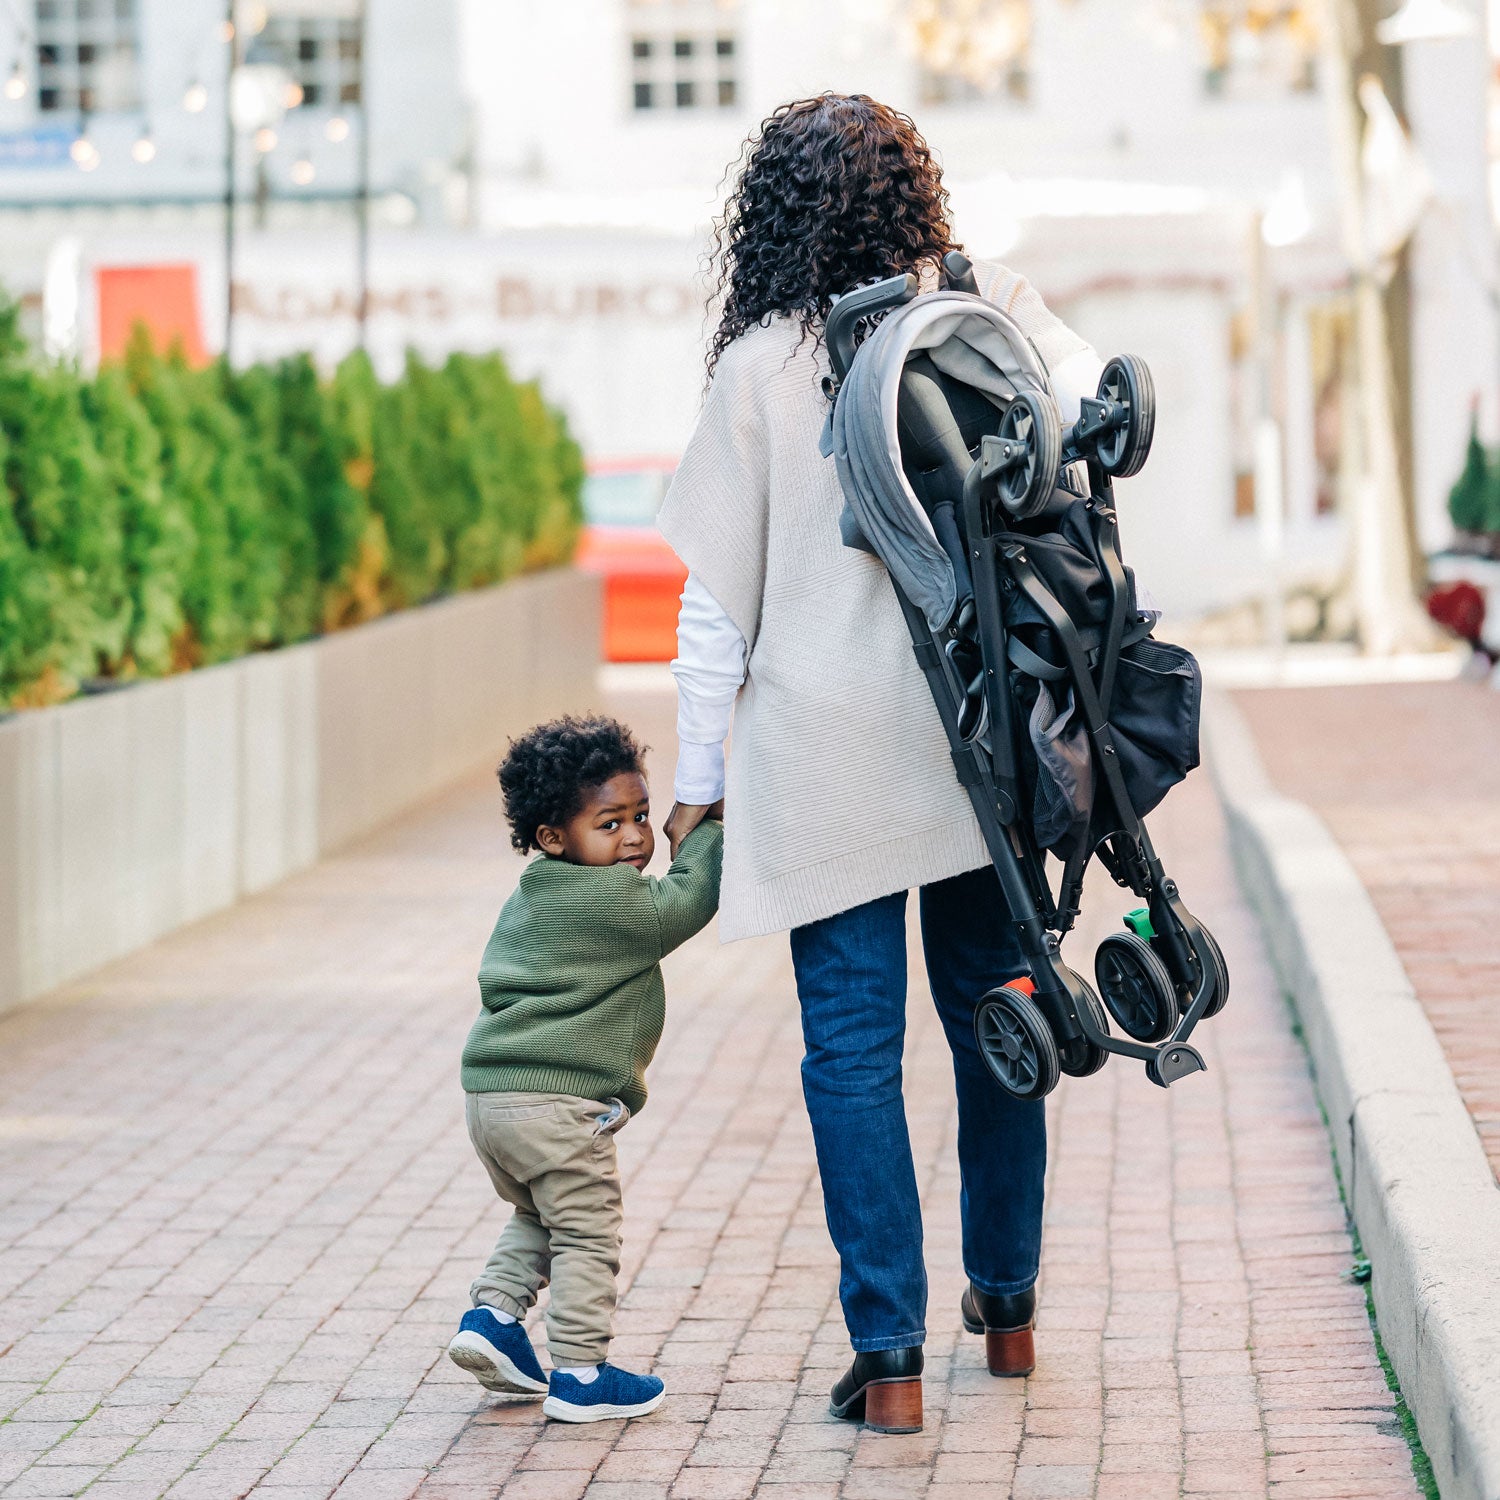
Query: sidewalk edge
(1416, 1178)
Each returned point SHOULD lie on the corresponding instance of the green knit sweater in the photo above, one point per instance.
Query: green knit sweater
(570, 985)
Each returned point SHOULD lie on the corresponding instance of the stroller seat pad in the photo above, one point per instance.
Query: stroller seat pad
(971, 341)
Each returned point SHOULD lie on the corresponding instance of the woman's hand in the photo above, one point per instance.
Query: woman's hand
(685, 817)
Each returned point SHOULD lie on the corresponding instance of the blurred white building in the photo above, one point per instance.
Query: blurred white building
(543, 178)
(119, 103)
(120, 139)
(1161, 169)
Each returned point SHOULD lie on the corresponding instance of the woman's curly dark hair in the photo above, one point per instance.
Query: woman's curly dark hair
(549, 770)
(834, 191)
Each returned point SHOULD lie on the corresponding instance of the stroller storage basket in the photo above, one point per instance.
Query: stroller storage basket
(1068, 722)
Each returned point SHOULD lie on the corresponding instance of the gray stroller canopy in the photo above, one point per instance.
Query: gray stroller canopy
(965, 337)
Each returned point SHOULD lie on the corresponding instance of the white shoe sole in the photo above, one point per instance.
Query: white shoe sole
(562, 1411)
(493, 1370)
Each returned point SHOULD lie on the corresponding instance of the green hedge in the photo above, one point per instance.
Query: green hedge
(157, 517)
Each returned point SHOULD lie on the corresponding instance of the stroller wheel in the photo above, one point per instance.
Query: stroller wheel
(1185, 992)
(1221, 974)
(1016, 1043)
(1136, 987)
(1028, 453)
(1127, 382)
(1081, 1057)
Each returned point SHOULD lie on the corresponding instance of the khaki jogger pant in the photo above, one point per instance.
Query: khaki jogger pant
(548, 1155)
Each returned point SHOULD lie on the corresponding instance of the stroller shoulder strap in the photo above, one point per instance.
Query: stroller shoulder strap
(1022, 656)
(1036, 665)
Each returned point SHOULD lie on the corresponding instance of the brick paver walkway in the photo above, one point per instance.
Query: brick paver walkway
(1407, 778)
(238, 1215)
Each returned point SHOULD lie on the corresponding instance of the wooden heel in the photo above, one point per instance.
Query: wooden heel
(1009, 1351)
(894, 1405)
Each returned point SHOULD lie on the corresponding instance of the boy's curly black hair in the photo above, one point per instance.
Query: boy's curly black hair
(549, 770)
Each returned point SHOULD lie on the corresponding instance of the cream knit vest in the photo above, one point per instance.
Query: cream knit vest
(840, 788)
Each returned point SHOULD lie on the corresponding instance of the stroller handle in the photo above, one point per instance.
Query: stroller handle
(958, 273)
(844, 316)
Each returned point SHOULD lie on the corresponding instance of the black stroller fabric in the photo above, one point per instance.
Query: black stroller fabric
(1068, 562)
(1153, 712)
(1154, 717)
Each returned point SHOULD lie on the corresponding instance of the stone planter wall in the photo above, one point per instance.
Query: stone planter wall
(127, 815)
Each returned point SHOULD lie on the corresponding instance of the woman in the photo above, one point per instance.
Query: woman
(842, 795)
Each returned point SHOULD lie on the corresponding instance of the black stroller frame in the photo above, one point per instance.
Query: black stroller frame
(1166, 973)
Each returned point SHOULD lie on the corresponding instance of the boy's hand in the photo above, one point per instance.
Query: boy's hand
(685, 817)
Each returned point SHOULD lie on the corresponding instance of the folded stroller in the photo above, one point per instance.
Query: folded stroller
(1066, 720)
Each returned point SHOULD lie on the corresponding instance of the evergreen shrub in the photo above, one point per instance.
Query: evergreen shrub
(157, 517)
(1468, 500)
(1474, 500)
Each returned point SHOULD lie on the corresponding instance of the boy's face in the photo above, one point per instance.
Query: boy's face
(613, 827)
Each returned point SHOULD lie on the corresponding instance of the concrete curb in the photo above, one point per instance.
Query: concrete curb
(1417, 1180)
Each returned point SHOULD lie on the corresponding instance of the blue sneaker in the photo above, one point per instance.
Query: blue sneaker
(498, 1355)
(612, 1393)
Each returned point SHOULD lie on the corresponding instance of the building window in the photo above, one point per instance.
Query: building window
(1255, 50)
(86, 56)
(683, 54)
(970, 49)
(321, 52)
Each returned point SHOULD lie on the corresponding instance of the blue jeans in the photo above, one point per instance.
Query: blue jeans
(851, 980)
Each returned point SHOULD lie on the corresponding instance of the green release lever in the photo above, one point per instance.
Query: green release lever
(1139, 922)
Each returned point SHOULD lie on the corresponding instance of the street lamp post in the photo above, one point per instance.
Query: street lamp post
(362, 186)
(231, 60)
(257, 95)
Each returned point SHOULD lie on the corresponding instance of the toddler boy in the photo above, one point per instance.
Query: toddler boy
(572, 1010)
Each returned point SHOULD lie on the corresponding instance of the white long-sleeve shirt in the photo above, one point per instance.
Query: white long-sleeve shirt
(709, 668)
(711, 657)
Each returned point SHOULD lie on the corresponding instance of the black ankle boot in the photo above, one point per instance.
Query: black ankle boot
(883, 1390)
(1005, 1320)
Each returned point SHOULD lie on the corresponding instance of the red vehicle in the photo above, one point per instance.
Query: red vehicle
(642, 577)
